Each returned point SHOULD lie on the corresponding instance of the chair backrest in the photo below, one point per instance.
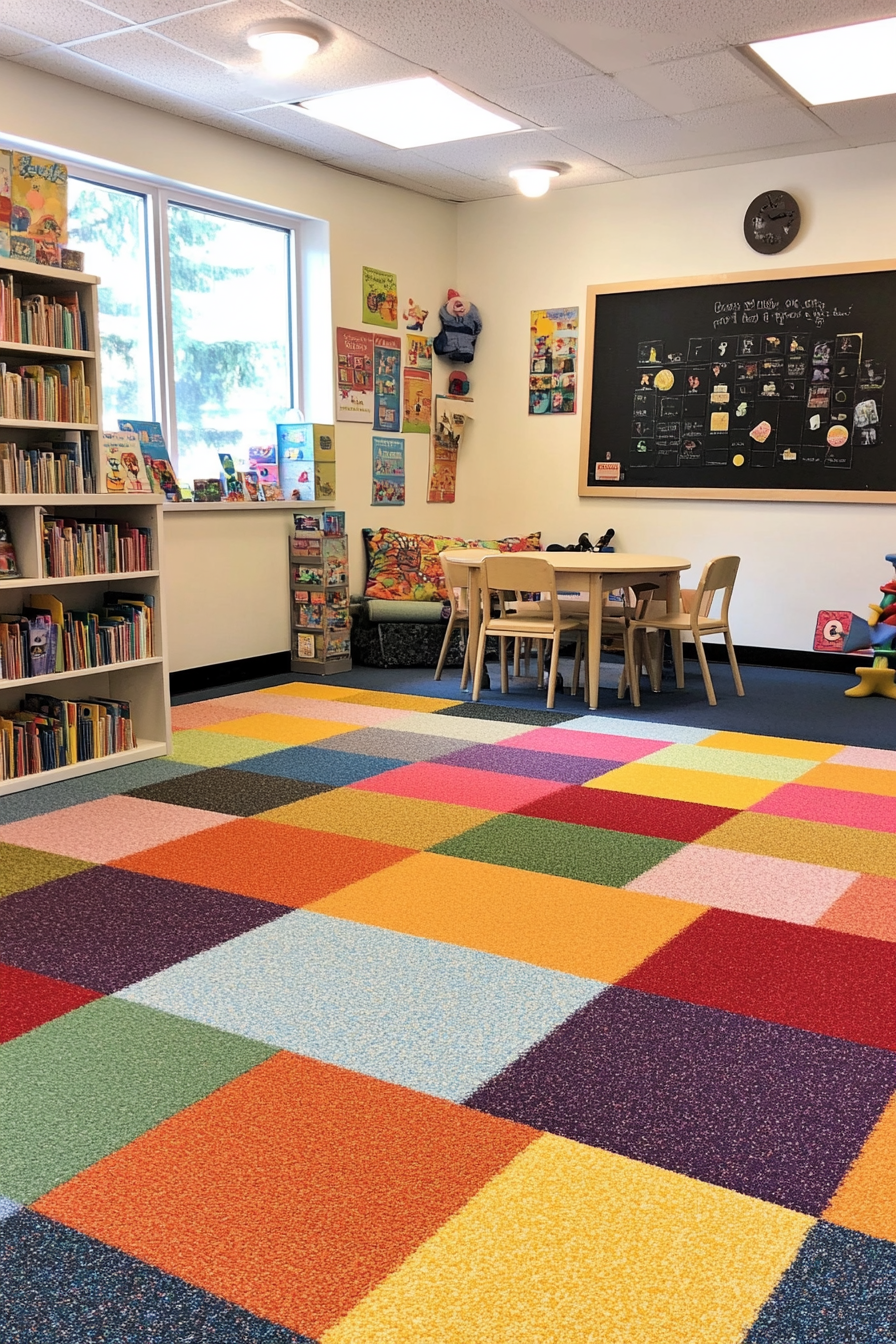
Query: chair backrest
(457, 580)
(717, 577)
(520, 572)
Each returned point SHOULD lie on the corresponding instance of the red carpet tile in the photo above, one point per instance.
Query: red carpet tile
(27, 1000)
(283, 864)
(293, 1190)
(660, 817)
(817, 979)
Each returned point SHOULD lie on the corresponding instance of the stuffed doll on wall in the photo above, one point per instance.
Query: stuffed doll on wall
(461, 324)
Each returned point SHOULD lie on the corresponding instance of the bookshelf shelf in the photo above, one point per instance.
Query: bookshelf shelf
(57, 351)
(77, 672)
(46, 424)
(144, 751)
(142, 682)
(12, 585)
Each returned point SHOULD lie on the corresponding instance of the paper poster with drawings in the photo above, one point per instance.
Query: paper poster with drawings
(553, 360)
(379, 297)
(354, 375)
(452, 415)
(387, 383)
(388, 470)
(419, 354)
(417, 397)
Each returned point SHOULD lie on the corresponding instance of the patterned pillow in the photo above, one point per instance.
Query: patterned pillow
(406, 564)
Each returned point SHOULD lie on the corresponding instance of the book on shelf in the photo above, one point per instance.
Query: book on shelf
(155, 455)
(207, 490)
(124, 469)
(264, 461)
(75, 546)
(39, 198)
(45, 392)
(5, 199)
(61, 465)
(47, 733)
(9, 566)
(41, 319)
(45, 639)
(333, 523)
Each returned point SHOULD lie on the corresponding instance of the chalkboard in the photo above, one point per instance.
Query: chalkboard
(769, 385)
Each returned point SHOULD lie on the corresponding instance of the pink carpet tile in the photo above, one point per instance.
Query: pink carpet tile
(455, 784)
(839, 807)
(603, 746)
(109, 828)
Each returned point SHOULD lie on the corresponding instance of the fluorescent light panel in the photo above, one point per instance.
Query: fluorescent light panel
(406, 113)
(837, 64)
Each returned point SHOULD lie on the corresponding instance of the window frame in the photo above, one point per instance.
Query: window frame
(158, 196)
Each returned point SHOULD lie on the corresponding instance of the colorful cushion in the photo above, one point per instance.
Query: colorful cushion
(406, 565)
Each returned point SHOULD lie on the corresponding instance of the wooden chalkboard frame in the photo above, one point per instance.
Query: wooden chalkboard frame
(705, 492)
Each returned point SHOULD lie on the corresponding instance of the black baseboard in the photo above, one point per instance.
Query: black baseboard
(223, 674)
(805, 660)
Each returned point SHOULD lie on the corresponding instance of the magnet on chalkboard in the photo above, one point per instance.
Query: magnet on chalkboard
(848, 345)
(738, 460)
(747, 370)
(650, 352)
(718, 422)
(699, 349)
(771, 368)
(846, 372)
(819, 398)
(788, 455)
(796, 344)
(822, 352)
(748, 345)
(796, 367)
(696, 380)
(872, 375)
(773, 345)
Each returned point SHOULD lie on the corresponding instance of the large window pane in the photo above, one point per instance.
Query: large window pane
(231, 335)
(109, 226)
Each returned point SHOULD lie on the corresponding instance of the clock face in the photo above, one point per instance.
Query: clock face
(772, 221)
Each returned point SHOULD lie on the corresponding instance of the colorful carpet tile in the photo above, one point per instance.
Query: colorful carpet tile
(373, 1018)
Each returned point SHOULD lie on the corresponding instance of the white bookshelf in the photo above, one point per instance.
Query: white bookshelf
(143, 682)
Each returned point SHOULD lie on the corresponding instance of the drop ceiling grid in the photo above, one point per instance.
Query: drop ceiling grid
(614, 88)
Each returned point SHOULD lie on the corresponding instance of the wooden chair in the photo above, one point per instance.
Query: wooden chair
(523, 573)
(457, 584)
(615, 619)
(718, 577)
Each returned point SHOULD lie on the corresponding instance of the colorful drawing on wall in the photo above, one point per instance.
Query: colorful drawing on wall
(379, 297)
(354, 375)
(414, 316)
(553, 356)
(388, 470)
(417, 398)
(448, 434)
(39, 196)
(419, 354)
(387, 383)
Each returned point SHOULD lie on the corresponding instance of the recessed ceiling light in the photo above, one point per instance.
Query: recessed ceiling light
(408, 112)
(535, 178)
(285, 44)
(837, 64)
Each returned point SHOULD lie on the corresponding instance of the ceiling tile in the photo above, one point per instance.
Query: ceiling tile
(426, 177)
(867, 121)
(57, 20)
(596, 96)
(145, 11)
(220, 35)
(301, 130)
(700, 82)
(667, 166)
(141, 55)
(616, 35)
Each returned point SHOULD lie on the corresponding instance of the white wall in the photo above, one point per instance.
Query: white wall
(370, 224)
(521, 471)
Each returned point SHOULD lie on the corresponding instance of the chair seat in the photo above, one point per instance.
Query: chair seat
(539, 627)
(681, 620)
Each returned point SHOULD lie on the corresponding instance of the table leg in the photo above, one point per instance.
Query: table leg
(673, 606)
(595, 606)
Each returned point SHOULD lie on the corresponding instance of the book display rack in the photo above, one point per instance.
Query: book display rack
(319, 593)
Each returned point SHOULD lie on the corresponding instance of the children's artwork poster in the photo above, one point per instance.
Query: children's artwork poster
(417, 399)
(414, 315)
(387, 383)
(419, 354)
(39, 198)
(379, 297)
(450, 424)
(388, 470)
(553, 353)
(354, 375)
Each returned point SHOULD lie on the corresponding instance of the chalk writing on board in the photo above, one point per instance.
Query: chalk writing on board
(770, 312)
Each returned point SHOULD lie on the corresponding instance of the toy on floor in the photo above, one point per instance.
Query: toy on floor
(844, 632)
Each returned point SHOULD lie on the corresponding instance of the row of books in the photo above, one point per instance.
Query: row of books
(320, 647)
(45, 392)
(59, 467)
(46, 733)
(44, 640)
(41, 319)
(74, 546)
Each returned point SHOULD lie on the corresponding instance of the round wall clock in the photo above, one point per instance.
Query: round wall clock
(772, 221)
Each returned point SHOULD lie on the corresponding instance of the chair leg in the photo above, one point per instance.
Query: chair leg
(577, 664)
(704, 668)
(502, 657)
(735, 670)
(653, 654)
(516, 657)
(555, 664)
(527, 654)
(480, 664)
(677, 658)
(539, 666)
(444, 650)
(632, 667)
(465, 670)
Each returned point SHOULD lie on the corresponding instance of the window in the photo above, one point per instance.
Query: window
(197, 316)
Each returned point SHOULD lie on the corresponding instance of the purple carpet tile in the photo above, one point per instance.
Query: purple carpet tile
(531, 764)
(106, 928)
(768, 1110)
